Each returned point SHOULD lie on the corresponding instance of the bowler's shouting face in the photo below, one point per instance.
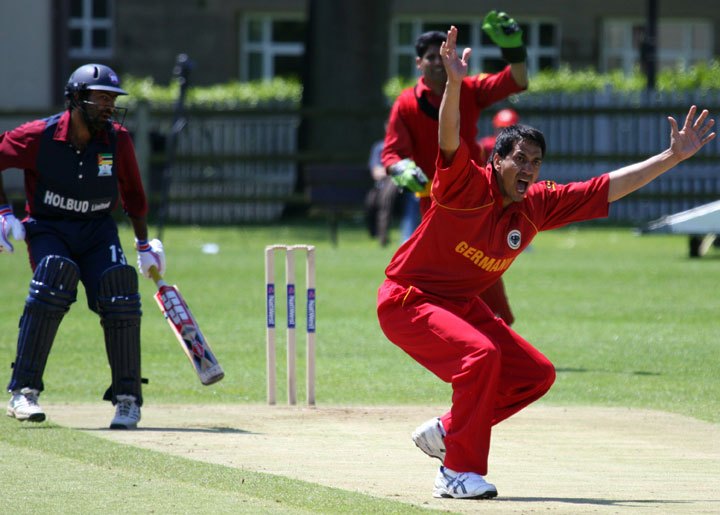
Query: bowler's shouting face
(518, 170)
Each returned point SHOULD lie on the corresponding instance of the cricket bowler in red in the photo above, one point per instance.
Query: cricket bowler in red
(481, 218)
(411, 136)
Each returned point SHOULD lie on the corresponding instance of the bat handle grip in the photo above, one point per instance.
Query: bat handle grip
(155, 275)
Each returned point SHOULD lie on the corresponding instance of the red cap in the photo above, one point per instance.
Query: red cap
(505, 118)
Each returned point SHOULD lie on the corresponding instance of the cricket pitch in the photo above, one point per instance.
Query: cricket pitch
(569, 460)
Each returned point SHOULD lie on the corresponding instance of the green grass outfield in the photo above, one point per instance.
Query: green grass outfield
(627, 321)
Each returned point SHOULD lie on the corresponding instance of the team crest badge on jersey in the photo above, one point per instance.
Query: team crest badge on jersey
(105, 162)
(551, 185)
(514, 239)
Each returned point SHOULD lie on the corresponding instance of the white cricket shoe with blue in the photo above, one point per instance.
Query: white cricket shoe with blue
(462, 485)
(24, 406)
(428, 436)
(127, 413)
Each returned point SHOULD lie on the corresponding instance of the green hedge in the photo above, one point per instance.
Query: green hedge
(703, 77)
(234, 94)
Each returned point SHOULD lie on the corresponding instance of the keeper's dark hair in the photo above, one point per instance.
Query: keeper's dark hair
(509, 136)
(428, 39)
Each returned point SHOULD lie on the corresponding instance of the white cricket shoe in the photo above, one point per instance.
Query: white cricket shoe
(127, 413)
(462, 485)
(428, 436)
(24, 406)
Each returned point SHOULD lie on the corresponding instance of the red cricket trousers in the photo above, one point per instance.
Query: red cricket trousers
(494, 373)
(496, 300)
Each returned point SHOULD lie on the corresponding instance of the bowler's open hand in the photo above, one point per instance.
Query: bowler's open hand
(456, 67)
(693, 136)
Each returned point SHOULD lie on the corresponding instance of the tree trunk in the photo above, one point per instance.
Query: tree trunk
(345, 67)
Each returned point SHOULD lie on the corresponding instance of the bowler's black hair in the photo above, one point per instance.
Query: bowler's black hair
(426, 40)
(507, 138)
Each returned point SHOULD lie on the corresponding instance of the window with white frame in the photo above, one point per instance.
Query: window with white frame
(90, 27)
(680, 43)
(542, 39)
(271, 46)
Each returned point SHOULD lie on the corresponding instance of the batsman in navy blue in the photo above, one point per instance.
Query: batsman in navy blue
(78, 166)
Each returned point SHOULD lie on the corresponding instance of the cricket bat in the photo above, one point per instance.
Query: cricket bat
(187, 331)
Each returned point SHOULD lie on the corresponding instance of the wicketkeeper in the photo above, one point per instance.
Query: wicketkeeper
(78, 164)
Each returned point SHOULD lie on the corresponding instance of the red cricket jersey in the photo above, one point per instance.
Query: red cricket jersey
(413, 133)
(467, 240)
(485, 147)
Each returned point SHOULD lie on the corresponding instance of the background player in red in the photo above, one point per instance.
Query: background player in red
(78, 164)
(480, 220)
(411, 139)
(503, 118)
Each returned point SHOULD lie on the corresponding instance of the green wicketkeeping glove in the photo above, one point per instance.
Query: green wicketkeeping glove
(507, 34)
(407, 174)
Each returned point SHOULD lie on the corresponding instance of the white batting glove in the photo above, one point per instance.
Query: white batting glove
(150, 254)
(9, 223)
